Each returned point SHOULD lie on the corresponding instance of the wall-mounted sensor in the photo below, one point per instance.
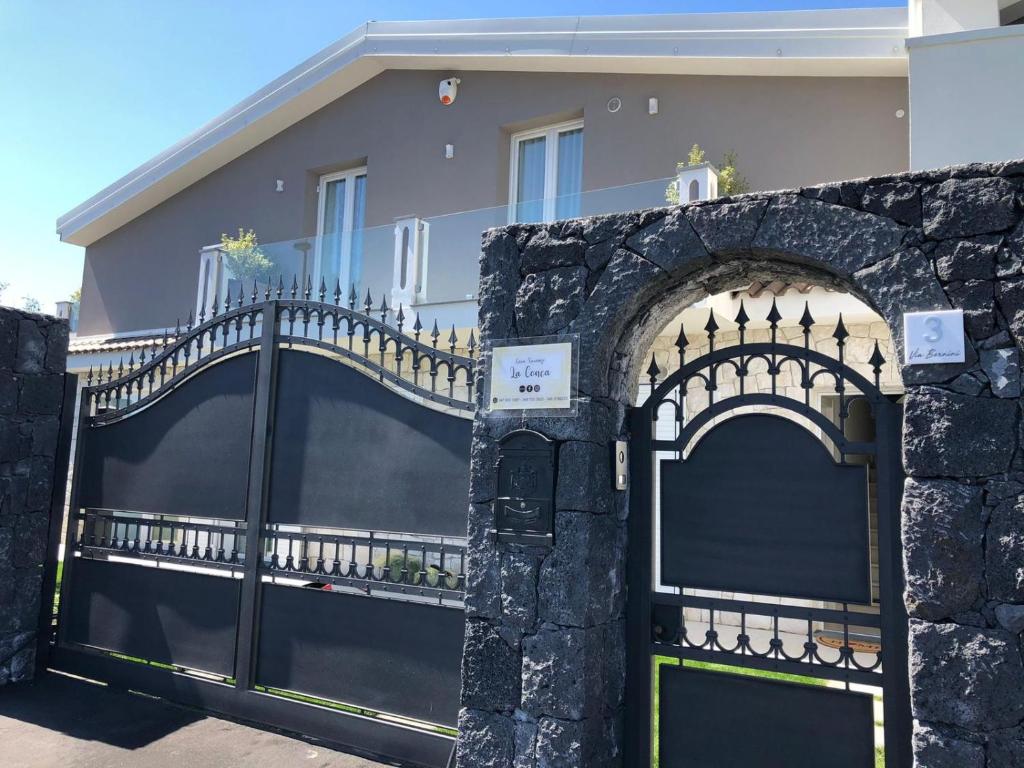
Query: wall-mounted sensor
(449, 151)
(652, 106)
(614, 104)
(447, 90)
(279, 185)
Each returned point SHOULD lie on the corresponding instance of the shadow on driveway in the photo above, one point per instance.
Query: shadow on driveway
(62, 722)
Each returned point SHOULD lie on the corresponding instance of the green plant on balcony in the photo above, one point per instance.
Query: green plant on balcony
(730, 180)
(244, 258)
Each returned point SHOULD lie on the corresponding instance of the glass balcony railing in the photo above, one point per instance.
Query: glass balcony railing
(415, 261)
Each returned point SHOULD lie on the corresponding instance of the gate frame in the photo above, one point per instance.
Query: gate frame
(641, 556)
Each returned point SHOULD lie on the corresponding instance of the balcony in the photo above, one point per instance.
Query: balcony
(428, 265)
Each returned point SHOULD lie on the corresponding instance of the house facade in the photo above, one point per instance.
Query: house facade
(551, 119)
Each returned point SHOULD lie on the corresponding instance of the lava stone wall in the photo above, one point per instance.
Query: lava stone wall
(543, 668)
(33, 350)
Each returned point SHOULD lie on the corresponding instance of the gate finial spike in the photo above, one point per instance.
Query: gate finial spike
(453, 339)
(383, 309)
(353, 297)
(368, 304)
(323, 288)
(309, 288)
(188, 324)
(337, 291)
(255, 291)
(712, 324)
(280, 285)
(840, 334)
(417, 326)
(400, 317)
(681, 341)
(435, 333)
(774, 315)
(805, 319)
(295, 285)
(653, 370)
(88, 378)
(741, 317)
(877, 360)
(177, 327)
(471, 344)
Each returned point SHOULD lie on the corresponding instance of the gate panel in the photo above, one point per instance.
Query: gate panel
(276, 533)
(385, 655)
(734, 720)
(351, 454)
(157, 614)
(764, 567)
(186, 454)
(732, 519)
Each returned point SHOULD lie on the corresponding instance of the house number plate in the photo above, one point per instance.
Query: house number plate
(934, 337)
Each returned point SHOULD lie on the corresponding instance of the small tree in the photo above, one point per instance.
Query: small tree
(31, 304)
(244, 258)
(730, 180)
(3, 287)
(76, 296)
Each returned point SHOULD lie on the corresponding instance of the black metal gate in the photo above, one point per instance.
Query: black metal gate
(765, 595)
(268, 520)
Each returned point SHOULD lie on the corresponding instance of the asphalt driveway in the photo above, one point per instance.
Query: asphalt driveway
(62, 722)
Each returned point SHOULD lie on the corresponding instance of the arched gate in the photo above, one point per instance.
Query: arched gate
(765, 588)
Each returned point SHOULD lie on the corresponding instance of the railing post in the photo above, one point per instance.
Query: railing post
(256, 499)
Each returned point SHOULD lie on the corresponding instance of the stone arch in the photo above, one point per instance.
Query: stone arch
(542, 671)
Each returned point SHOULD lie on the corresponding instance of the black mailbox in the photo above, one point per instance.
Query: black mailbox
(525, 506)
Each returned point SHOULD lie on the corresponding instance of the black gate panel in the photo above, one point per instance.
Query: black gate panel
(352, 455)
(733, 519)
(386, 655)
(156, 614)
(722, 720)
(186, 454)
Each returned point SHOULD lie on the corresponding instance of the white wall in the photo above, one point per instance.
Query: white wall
(965, 97)
(937, 17)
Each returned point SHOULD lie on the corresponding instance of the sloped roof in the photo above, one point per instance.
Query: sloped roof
(857, 42)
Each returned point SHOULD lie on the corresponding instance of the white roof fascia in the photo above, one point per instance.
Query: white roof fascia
(859, 42)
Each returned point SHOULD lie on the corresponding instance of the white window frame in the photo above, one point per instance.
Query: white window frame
(550, 134)
(348, 213)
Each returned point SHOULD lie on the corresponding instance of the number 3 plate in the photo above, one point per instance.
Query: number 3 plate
(934, 337)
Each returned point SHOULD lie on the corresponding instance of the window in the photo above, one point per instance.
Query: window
(340, 222)
(546, 173)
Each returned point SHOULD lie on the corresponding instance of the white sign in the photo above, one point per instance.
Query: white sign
(934, 337)
(531, 377)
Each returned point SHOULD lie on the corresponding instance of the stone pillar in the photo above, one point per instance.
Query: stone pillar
(542, 671)
(33, 351)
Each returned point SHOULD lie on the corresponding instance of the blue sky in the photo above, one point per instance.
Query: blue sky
(90, 90)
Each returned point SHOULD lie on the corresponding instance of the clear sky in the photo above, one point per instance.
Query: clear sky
(90, 90)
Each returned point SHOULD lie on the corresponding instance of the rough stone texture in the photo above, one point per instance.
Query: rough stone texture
(933, 749)
(492, 683)
(33, 351)
(913, 242)
(1002, 366)
(952, 435)
(966, 677)
(942, 547)
(964, 207)
(1004, 551)
(808, 230)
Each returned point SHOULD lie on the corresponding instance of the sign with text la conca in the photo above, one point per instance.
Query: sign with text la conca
(531, 377)
(932, 338)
